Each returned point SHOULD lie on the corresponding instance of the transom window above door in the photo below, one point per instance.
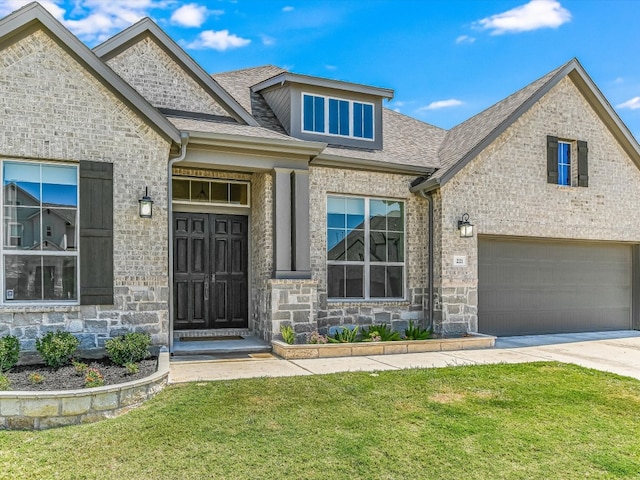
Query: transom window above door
(210, 192)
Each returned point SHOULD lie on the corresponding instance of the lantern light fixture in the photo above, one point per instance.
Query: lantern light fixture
(145, 205)
(465, 227)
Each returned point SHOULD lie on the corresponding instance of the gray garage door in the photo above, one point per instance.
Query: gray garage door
(532, 287)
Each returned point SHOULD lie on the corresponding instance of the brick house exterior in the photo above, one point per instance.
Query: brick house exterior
(250, 186)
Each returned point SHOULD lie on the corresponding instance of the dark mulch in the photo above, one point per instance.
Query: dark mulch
(66, 378)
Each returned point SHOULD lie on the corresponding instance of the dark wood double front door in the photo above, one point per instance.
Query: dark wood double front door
(210, 280)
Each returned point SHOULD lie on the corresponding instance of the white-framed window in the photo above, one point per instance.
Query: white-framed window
(564, 163)
(40, 232)
(365, 248)
(337, 116)
(196, 190)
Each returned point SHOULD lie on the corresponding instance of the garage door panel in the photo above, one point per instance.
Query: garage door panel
(532, 287)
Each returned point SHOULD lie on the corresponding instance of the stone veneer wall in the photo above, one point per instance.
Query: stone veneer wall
(505, 192)
(294, 303)
(324, 181)
(157, 77)
(54, 110)
(261, 253)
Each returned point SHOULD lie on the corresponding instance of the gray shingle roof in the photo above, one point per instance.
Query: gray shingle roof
(464, 137)
(230, 128)
(406, 141)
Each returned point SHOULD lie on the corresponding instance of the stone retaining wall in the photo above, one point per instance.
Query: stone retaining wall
(21, 410)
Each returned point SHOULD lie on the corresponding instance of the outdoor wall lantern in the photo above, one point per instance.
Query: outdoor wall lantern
(145, 205)
(466, 229)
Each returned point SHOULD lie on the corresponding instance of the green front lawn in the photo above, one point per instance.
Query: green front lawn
(528, 421)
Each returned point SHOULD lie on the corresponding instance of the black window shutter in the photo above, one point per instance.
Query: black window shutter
(583, 164)
(552, 159)
(96, 233)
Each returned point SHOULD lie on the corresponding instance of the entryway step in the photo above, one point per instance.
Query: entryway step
(218, 346)
(212, 333)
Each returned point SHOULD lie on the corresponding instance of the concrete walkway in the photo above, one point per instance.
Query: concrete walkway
(616, 352)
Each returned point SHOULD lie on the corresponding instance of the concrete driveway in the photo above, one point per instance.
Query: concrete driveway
(615, 352)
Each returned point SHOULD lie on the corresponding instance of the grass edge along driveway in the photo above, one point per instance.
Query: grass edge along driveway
(529, 421)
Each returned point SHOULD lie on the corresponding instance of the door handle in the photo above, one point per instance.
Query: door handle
(206, 290)
(213, 277)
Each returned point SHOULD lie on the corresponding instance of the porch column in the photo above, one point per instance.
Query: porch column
(281, 222)
(301, 261)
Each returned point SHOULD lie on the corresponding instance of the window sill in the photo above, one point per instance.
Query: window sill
(363, 302)
(39, 307)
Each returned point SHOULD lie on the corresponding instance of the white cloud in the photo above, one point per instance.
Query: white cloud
(8, 6)
(189, 15)
(465, 39)
(288, 8)
(267, 41)
(531, 16)
(94, 20)
(633, 104)
(452, 102)
(331, 67)
(218, 40)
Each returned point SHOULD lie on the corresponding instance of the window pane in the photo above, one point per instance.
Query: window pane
(333, 116)
(395, 216)
(564, 164)
(357, 119)
(378, 214)
(354, 281)
(59, 186)
(60, 229)
(238, 193)
(180, 189)
(336, 244)
(355, 246)
(368, 121)
(318, 120)
(378, 247)
(59, 278)
(355, 212)
(200, 192)
(344, 117)
(308, 113)
(23, 277)
(377, 282)
(395, 247)
(21, 228)
(395, 282)
(336, 212)
(335, 281)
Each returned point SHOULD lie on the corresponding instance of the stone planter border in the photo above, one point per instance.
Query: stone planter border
(26, 410)
(296, 352)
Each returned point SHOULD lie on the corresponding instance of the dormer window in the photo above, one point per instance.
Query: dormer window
(345, 118)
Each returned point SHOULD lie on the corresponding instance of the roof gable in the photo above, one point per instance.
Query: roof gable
(465, 141)
(146, 27)
(34, 15)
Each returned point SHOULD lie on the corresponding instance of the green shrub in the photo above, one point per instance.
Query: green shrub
(128, 348)
(288, 334)
(9, 352)
(35, 378)
(80, 367)
(56, 349)
(132, 368)
(344, 335)
(416, 332)
(93, 378)
(380, 333)
(5, 383)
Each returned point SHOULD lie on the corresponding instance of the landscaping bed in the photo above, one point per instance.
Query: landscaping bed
(67, 378)
(325, 350)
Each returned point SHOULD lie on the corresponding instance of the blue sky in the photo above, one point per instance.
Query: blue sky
(446, 59)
